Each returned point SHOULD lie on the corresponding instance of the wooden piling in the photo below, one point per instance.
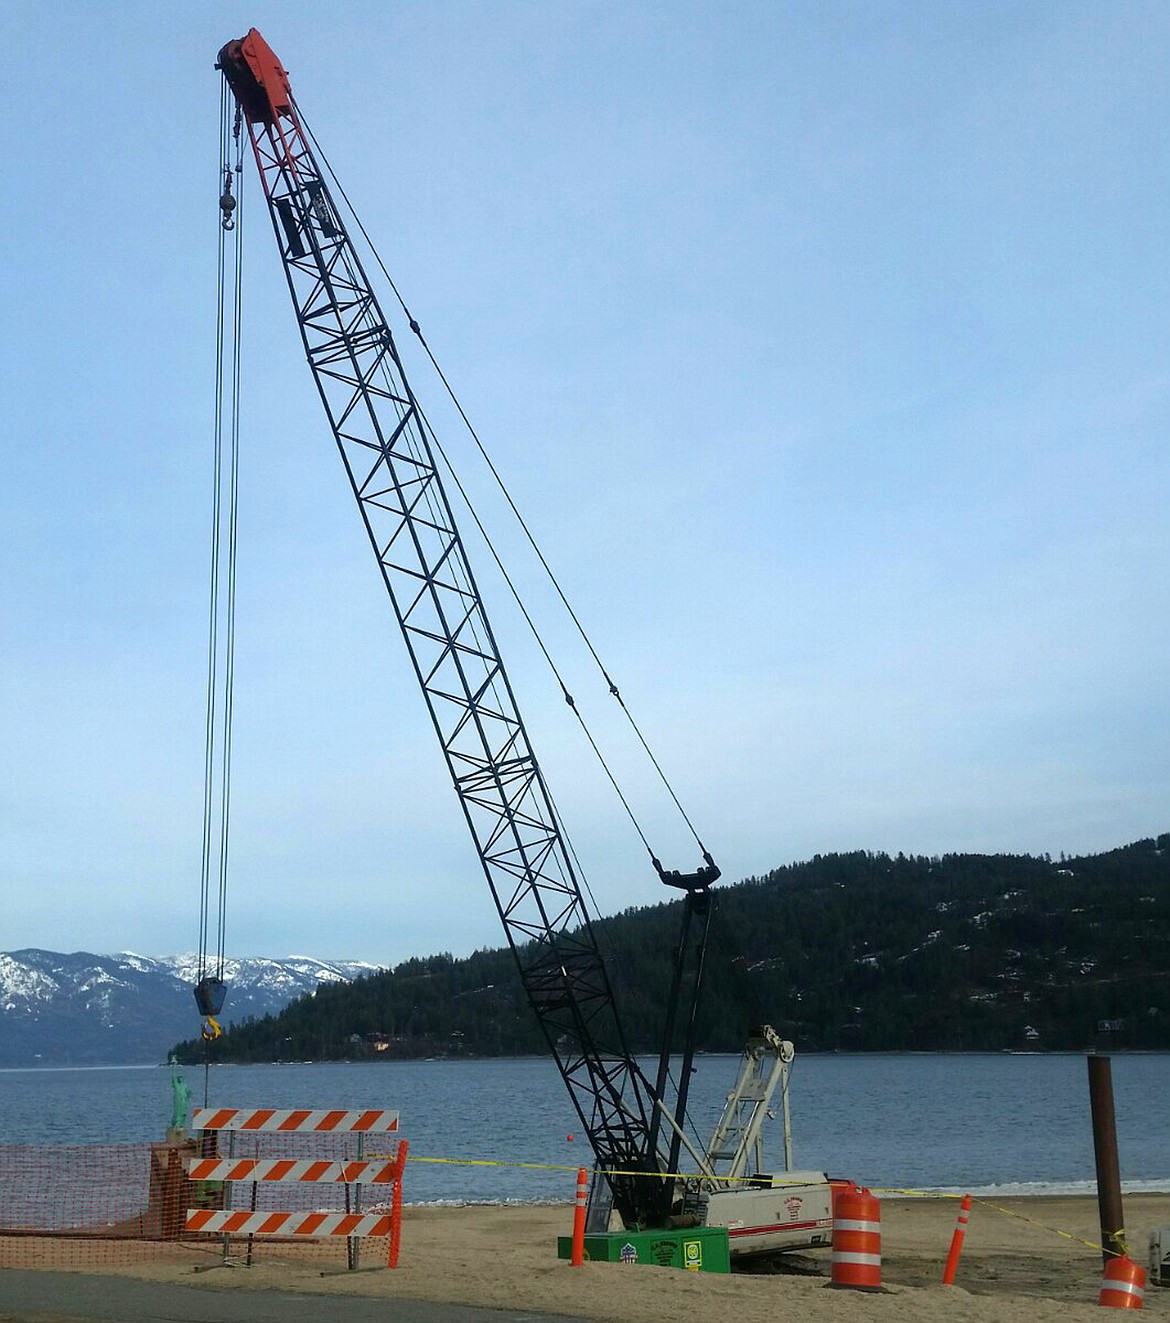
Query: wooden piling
(1105, 1152)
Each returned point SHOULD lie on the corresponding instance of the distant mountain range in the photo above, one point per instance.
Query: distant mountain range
(845, 952)
(81, 1009)
(858, 951)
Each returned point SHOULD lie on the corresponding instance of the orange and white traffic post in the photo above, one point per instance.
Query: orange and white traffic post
(957, 1242)
(577, 1253)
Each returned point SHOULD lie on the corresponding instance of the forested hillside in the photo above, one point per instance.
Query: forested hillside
(845, 952)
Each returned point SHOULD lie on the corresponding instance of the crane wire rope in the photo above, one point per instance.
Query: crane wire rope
(613, 688)
(437, 445)
(461, 578)
(221, 631)
(575, 861)
(461, 573)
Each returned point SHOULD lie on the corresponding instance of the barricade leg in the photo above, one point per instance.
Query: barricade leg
(396, 1207)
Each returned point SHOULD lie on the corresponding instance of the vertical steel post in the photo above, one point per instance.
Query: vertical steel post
(227, 1197)
(354, 1244)
(1105, 1152)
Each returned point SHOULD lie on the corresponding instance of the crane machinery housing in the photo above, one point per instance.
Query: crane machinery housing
(635, 1123)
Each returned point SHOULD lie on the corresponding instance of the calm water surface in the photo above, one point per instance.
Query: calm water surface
(995, 1122)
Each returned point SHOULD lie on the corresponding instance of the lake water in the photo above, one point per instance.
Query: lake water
(991, 1124)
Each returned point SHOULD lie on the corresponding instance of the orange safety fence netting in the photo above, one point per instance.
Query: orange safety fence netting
(83, 1205)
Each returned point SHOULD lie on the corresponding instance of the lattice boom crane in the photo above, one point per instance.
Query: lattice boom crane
(386, 449)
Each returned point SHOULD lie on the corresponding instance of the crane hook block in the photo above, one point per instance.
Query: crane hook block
(227, 203)
(210, 993)
(699, 880)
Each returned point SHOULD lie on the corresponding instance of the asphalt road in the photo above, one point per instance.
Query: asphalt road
(28, 1296)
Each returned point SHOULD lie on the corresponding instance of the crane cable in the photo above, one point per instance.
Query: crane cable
(613, 688)
(210, 989)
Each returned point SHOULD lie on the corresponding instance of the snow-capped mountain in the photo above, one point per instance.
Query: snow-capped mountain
(84, 1009)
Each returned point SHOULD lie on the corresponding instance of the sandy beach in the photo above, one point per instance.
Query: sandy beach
(1024, 1259)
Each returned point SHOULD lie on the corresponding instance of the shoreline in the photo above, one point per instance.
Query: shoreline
(1087, 1051)
(1021, 1192)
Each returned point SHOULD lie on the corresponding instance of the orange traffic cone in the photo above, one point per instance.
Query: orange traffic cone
(1123, 1284)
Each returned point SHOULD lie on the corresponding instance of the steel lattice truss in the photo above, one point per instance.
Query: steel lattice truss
(387, 455)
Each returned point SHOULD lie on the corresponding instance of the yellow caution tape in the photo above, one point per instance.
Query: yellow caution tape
(1118, 1237)
(482, 1162)
(573, 1167)
(1020, 1217)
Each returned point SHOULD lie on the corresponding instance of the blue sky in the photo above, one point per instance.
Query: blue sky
(824, 345)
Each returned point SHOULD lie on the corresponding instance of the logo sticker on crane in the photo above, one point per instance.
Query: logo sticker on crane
(664, 1252)
(693, 1255)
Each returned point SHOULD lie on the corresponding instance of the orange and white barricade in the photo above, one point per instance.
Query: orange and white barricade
(359, 1172)
(253, 1119)
(227, 1222)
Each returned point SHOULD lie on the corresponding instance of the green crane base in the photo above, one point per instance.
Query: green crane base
(701, 1249)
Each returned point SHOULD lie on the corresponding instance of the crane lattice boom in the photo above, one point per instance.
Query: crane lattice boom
(388, 458)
